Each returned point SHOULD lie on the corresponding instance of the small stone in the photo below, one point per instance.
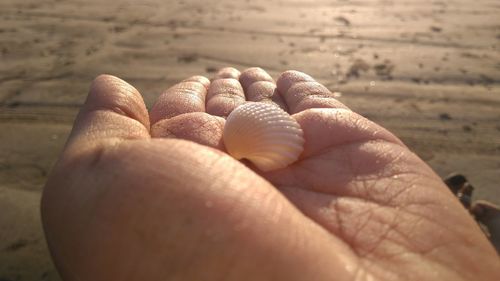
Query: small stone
(445, 116)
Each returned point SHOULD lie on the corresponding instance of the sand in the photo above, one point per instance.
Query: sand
(427, 70)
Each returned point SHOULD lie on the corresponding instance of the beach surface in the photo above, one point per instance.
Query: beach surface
(427, 70)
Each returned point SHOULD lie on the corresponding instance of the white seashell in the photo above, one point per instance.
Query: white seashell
(264, 134)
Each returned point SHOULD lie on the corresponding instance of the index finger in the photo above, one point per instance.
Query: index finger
(300, 92)
(185, 97)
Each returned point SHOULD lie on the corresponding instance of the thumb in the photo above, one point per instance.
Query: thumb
(114, 111)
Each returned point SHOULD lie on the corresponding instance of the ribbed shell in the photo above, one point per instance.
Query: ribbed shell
(264, 134)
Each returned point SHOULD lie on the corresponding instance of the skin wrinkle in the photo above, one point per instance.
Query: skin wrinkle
(206, 128)
(108, 141)
(393, 258)
(359, 194)
(341, 228)
(215, 106)
(406, 204)
(360, 225)
(190, 103)
(225, 87)
(189, 91)
(389, 138)
(194, 126)
(391, 169)
(168, 133)
(339, 209)
(120, 116)
(351, 169)
(332, 189)
(384, 189)
(304, 89)
(313, 86)
(393, 229)
(362, 126)
(381, 241)
(391, 200)
(208, 125)
(124, 104)
(302, 177)
(252, 75)
(261, 89)
(223, 96)
(123, 100)
(205, 124)
(365, 188)
(413, 247)
(357, 123)
(312, 220)
(416, 221)
(265, 91)
(184, 97)
(288, 78)
(297, 107)
(313, 97)
(230, 95)
(339, 146)
(429, 219)
(412, 186)
(386, 237)
(202, 162)
(341, 233)
(113, 109)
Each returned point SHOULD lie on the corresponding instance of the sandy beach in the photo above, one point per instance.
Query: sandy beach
(427, 70)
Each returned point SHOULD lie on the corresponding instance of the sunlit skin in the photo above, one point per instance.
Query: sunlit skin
(153, 196)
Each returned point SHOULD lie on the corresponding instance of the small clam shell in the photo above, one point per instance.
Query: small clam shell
(264, 134)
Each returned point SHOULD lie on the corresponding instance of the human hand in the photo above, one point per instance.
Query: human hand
(155, 197)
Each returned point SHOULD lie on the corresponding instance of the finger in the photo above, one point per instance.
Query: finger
(224, 95)
(198, 78)
(259, 86)
(114, 110)
(252, 75)
(198, 127)
(300, 92)
(227, 72)
(326, 128)
(264, 91)
(184, 97)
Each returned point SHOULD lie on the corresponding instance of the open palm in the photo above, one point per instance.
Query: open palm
(138, 196)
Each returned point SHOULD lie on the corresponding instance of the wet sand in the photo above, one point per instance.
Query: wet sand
(427, 70)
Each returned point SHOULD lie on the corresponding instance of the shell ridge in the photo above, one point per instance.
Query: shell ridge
(264, 134)
(296, 142)
(277, 150)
